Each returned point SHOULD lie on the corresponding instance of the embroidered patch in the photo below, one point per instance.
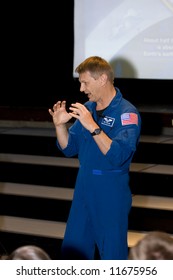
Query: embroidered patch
(129, 118)
(108, 121)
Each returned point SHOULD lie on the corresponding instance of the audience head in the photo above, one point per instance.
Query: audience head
(28, 252)
(153, 246)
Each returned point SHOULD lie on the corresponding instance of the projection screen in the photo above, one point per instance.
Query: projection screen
(135, 36)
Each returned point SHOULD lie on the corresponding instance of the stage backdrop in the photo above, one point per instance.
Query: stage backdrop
(135, 36)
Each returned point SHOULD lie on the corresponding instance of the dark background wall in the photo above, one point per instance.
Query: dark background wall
(37, 42)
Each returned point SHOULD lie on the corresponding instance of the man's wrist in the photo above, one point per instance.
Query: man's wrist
(96, 131)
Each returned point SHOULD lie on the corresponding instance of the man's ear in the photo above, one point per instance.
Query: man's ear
(103, 79)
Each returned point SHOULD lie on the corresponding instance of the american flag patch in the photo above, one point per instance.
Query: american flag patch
(129, 118)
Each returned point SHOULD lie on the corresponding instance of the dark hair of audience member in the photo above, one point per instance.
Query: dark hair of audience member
(154, 245)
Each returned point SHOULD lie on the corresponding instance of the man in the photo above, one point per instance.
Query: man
(104, 135)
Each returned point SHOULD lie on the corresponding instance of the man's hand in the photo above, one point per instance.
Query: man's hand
(80, 112)
(59, 113)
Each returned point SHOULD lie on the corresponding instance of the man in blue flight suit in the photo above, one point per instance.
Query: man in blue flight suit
(105, 136)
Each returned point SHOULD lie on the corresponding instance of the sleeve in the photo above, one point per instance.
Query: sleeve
(124, 143)
(73, 140)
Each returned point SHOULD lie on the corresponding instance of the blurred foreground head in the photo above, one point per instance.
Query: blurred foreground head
(28, 252)
(153, 246)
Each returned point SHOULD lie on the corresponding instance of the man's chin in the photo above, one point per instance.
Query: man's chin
(89, 98)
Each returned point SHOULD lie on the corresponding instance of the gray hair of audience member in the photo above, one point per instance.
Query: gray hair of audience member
(154, 245)
(28, 252)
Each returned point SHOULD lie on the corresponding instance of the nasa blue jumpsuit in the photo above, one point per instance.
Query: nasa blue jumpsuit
(102, 196)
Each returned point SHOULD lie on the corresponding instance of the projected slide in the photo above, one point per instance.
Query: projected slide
(135, 36)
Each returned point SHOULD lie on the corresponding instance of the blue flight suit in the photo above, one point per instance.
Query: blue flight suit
(102, 196)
